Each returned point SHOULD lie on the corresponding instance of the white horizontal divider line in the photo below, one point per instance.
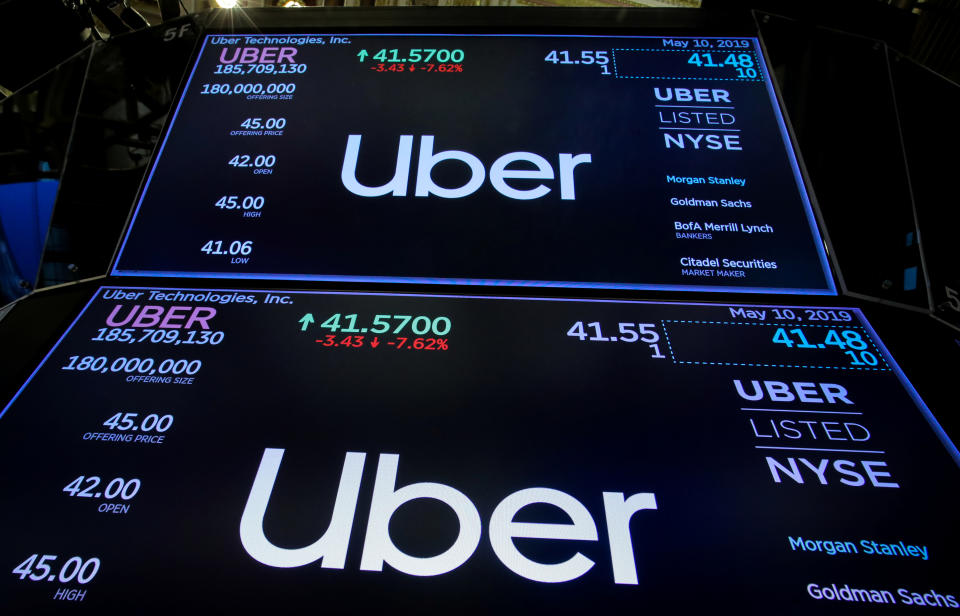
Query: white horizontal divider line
(728, 130)
(748, 408)
(695, 106)
(819, 449)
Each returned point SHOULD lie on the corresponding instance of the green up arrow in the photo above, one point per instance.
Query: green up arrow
(306, 321)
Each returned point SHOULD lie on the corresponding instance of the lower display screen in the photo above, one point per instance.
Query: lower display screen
(254, 450)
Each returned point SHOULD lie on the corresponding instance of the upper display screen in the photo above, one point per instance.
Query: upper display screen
(574, 161)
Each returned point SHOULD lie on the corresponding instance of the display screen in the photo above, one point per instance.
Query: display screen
(240, 451)
(572, 161)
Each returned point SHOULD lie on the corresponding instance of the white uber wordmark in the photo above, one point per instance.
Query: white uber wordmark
(500, 172)
(379, 548)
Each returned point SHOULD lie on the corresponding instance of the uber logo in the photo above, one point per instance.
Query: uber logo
(500, 172)
(379, 548)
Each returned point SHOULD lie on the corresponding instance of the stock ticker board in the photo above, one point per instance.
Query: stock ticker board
(572, 161)
(249, 451)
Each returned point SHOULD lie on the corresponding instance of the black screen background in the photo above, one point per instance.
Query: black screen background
(618, 230)
(514, 403)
